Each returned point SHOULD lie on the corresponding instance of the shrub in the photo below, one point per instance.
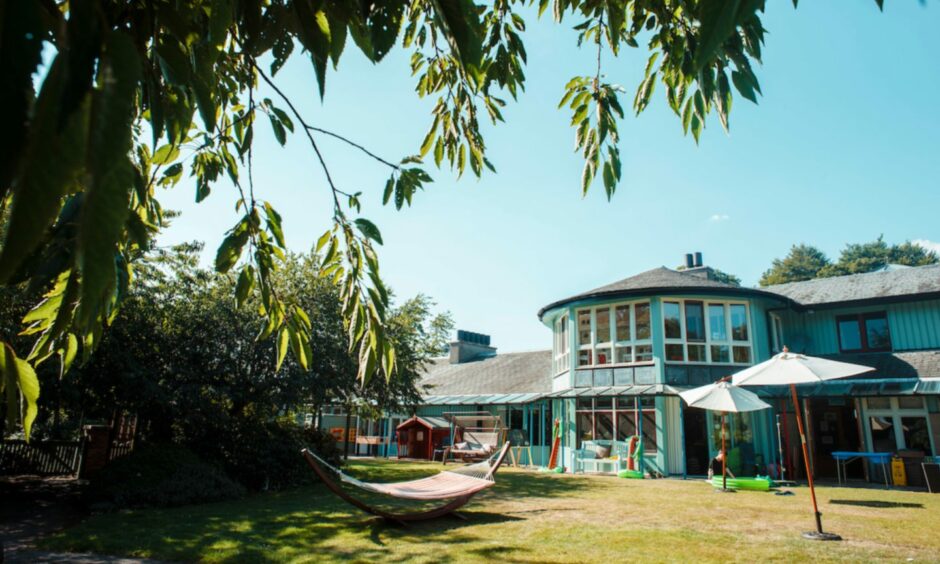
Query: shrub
(161, 476)
(266, 455)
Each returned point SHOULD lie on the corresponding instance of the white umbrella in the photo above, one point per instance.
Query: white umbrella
(724, 397)
(790, 369)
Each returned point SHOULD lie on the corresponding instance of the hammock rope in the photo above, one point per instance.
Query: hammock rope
(458, 482)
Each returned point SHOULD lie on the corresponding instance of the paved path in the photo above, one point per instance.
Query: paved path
(34, 507)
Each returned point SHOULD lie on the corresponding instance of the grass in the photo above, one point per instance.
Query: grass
(527, 517)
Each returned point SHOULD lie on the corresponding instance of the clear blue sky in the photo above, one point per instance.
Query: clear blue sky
(844, 146)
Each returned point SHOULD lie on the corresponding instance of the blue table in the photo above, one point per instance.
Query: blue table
(843, 458)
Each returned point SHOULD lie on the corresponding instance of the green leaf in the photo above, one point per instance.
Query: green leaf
(369, 229)
(50, 169)
(717, 22)
(204, 85)
(282, 346)
(279, 133)
(315, 36)
(165, 154)
(19, 372)
(231, 248)
(20, 47)
(220, 18)
(384, 23)
(744, 85)
(111, 174)
(323, 240)
(246, 281)
(71, 349)
(460, 21)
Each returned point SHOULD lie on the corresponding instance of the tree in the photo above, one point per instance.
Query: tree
(803, 262)
(115, 117)
(857, 258)
(183, 358)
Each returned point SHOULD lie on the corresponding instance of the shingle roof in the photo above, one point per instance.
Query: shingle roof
(856, 287)
(913, 364)
(509, 373)
(660, 280)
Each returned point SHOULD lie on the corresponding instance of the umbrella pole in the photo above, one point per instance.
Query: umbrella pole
(818, 534)
(724, 454)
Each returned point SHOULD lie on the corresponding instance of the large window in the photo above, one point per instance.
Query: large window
(614, 334)
(561, 344)
(707, 332)
(864, 332)
(615, 418)
(898, 423)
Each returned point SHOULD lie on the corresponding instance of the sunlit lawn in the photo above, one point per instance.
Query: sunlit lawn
(529, 517)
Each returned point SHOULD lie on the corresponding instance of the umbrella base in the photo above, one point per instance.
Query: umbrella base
(721, 490)
(815, 535)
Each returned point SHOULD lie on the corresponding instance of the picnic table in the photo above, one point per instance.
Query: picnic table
(843, 458)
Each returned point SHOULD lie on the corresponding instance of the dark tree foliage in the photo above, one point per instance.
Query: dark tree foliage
(805, 262)
(138, 93)
(185, 359)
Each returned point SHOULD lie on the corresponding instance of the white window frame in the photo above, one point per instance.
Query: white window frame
(562, 354)
(895, 413)
(730, 342)
(611, 343)
(777, 336)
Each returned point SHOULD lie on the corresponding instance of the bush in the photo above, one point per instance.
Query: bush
(266, 455)
(161, 476)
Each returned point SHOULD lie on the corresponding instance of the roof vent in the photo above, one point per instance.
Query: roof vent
(470, 346)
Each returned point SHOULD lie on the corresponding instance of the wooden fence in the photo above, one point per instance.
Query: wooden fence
(48, 458)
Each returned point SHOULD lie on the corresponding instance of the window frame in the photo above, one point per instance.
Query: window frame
(862, 320)
(562, 354)
(610, 344)
(729, 341)
(620, 404)
(896, 413)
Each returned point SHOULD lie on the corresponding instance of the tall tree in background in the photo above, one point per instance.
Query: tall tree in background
(803, 262)
(857, 258)
(115, 118)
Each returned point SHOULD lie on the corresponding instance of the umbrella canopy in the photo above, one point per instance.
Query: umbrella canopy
(791, 368)
(722, 396)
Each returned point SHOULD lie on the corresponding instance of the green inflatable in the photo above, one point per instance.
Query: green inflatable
(760, 483)
(633, 474)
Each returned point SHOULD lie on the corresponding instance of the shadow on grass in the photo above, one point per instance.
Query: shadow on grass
(308, 523)
(877, 504)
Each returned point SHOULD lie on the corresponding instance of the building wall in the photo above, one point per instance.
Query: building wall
(913, 326)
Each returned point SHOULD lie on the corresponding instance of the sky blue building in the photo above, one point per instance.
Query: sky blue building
(621, 353)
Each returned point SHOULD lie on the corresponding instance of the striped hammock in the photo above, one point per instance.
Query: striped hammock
(457, 482)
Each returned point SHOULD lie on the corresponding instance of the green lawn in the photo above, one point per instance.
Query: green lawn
(528, 517)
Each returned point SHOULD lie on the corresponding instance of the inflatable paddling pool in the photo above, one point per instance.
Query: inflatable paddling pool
(635, 474)
(760, 483)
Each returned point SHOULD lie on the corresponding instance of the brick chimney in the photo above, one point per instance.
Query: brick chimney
(470, 346)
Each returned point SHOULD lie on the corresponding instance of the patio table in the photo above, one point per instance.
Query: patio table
(843, 458)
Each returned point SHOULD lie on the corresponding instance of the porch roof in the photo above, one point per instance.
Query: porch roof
(639, 390)
(857, 388)
(482, 399)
